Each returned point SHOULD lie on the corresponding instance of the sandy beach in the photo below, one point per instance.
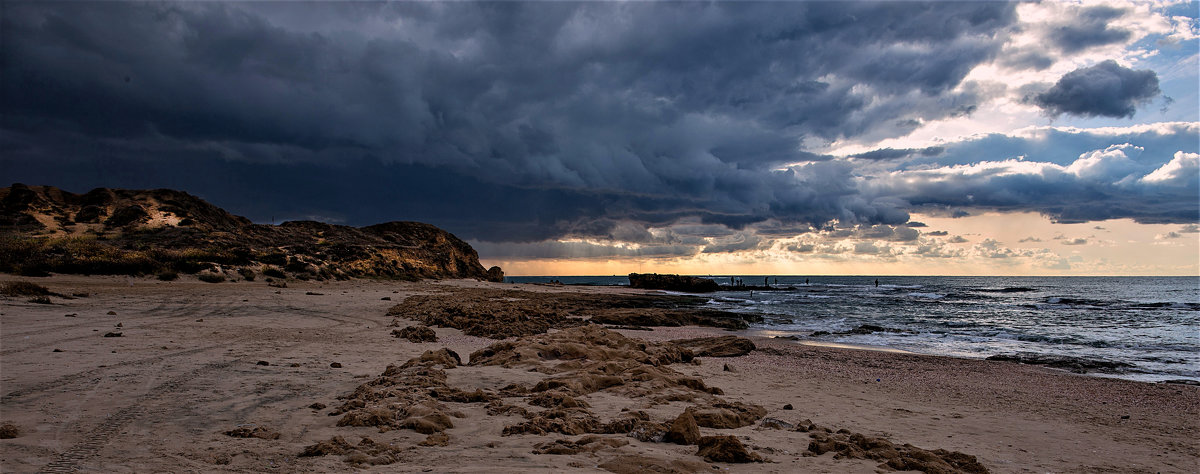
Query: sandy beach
(244, 377)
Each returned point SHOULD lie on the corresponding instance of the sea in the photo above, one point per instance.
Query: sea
(1148, 326)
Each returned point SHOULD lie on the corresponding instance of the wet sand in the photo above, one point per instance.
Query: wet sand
(186, 370)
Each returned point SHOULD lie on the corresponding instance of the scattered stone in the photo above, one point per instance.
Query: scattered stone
(416, 334)
(436, 439)
(57, 350)
(317, 406)
(725, 449)
(335, 365)
(386, 298)
(776, 424)
(727, 368)
(261, 432)
(112, 334)
(683, 430)
(728, 415)
(367, 451)
(40, 300)
(788, 407)
(120, 325)
(294, 364)
(638, 464)
(806, 426)
(112, 313)
(446, 357)
(901, 458)
(263, 362)
(72, 315)
(200, 320)
(313, 293)
(586, 444)
(9, 431)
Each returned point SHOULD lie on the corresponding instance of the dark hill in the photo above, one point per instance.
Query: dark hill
(118, 231)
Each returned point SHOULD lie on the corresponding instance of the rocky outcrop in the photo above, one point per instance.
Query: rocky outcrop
(118, 231)
(720, 346)
(687, 284)
(495, 274)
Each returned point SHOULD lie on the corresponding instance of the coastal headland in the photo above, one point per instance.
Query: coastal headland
(134, 374)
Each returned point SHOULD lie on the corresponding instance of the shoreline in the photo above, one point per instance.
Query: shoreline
(185, 371)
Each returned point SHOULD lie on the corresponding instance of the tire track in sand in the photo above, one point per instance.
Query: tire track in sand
(70, 459)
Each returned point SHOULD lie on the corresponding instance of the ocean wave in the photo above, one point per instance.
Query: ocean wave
(932, 296)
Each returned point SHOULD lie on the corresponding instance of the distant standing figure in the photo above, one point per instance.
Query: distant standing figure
(806, 282)
(876, 283)
(766, 281)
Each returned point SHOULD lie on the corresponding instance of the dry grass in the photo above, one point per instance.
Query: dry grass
(23, 288)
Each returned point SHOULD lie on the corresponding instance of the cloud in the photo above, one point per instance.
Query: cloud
(597, 130)
(1106, 89)
(1190, 229)
(1168, 235)
(1077, 241)
(1029, 239)
(1182, 170)
(1145, 173)
(740, 243)
(1090, 28)
(670, 110)
(801, 248)
(578, 250)
(958, 239)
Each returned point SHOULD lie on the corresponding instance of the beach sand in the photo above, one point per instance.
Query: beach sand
(188, 367)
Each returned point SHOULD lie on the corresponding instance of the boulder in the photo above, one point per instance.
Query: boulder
(683, 430)
(725, 449)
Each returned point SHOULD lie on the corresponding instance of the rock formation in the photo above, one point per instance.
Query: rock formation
(688, 284)
(117, 231)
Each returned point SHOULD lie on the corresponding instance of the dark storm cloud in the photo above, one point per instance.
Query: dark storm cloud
(500, 121)
(1089, 29)
(1106, 89)
(894, 154)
